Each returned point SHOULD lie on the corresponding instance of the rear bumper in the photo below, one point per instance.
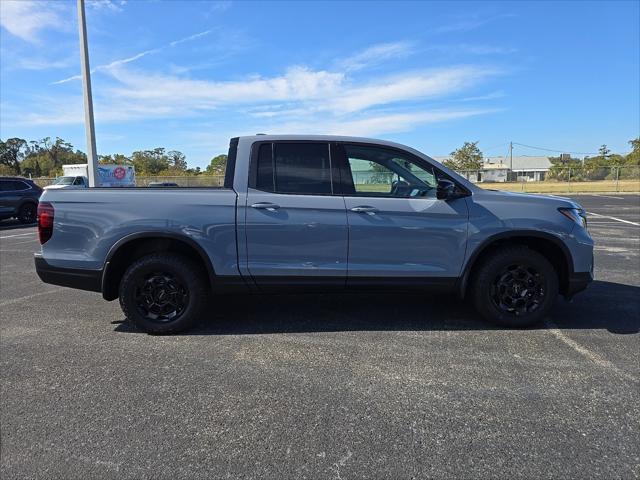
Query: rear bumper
(68, 277)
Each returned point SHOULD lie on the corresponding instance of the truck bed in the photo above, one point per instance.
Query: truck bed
(89, 222)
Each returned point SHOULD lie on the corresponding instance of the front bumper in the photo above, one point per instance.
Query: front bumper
(578, 281)
(68, 277)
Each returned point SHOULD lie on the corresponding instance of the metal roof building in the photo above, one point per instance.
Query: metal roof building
(494, 169)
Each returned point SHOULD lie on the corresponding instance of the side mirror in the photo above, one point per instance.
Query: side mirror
(446, 189)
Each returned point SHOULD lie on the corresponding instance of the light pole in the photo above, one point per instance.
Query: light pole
(92, 156)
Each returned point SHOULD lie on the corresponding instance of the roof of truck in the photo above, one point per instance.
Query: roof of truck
(323, 138)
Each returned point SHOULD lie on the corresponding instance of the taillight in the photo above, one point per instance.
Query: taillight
(45, 221)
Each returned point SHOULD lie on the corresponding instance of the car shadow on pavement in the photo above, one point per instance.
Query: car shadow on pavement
(605, 305)
(13, 224)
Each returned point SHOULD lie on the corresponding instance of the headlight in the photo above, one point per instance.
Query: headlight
(577, 215)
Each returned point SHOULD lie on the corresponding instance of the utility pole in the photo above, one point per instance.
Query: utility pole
(92, 156)
(511, 157)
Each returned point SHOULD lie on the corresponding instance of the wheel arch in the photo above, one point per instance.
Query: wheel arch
(136, 245)
(26, 201)
(544, 243)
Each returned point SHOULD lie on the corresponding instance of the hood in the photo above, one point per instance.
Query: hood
(499, 195)
(59, 187)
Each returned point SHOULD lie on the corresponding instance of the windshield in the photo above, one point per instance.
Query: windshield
(63, 181)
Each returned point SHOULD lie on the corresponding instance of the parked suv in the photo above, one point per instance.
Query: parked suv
(19, 199)
(315, 213)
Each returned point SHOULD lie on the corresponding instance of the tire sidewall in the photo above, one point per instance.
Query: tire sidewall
(23, 209)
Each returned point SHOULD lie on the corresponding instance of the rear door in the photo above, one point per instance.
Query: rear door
(296, 225)
(397, 226)
(11, 193)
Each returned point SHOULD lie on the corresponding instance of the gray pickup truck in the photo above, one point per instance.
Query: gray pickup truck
(315, 213)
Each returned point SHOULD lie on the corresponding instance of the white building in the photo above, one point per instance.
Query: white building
(496, 169)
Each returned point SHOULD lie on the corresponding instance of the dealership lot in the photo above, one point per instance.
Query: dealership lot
(340, 386)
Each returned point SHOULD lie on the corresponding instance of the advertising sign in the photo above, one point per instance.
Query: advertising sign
(116, 176)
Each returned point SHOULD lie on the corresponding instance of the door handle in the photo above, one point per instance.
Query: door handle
(272, 207)
(365, 209)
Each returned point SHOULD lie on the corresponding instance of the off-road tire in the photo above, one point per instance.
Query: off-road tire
(487, 284)
(186, 274)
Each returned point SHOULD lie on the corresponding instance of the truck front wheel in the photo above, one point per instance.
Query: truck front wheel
(514, 287)
(163, 293)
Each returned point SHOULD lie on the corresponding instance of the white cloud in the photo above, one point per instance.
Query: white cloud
(320, 99)
(25, 18)
(488, 96)
(376, 54)
(303, 89)
(133, 58)
(219, 6)
(297, 84)
(372, 124)
(110, 5)
(299, 100)
(38, 63)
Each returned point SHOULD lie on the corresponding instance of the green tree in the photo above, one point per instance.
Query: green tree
(46, 157)
(56, 150)
(177, 160)
(6, 170)
(467, 157)
(150, 162)
(564, 169)
(217, 166)
(633, 158)
(12, 152)
(631, 162)
(115, 159)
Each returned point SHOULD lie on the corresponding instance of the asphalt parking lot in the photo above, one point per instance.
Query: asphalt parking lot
(324, 386)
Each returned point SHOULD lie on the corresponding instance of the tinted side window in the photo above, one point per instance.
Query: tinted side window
(13, 185)
(265, 177)
(19, 185)
(302, 168)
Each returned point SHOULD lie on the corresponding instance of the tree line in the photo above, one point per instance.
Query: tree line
(469, 157)
(45, 157)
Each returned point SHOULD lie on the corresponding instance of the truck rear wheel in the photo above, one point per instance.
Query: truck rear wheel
(514, 287)
(163, 293)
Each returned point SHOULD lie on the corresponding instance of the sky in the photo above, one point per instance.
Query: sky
(188, 75)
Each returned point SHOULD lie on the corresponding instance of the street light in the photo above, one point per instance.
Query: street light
(92, 157)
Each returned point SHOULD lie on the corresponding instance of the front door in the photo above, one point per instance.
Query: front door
(397, 226)
(296, 227)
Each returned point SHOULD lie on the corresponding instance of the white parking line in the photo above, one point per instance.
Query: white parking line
(19, 235)
(594, 357)
(27, 297)
(614, 218)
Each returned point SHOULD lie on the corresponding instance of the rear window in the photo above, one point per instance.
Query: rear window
(296, 168)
